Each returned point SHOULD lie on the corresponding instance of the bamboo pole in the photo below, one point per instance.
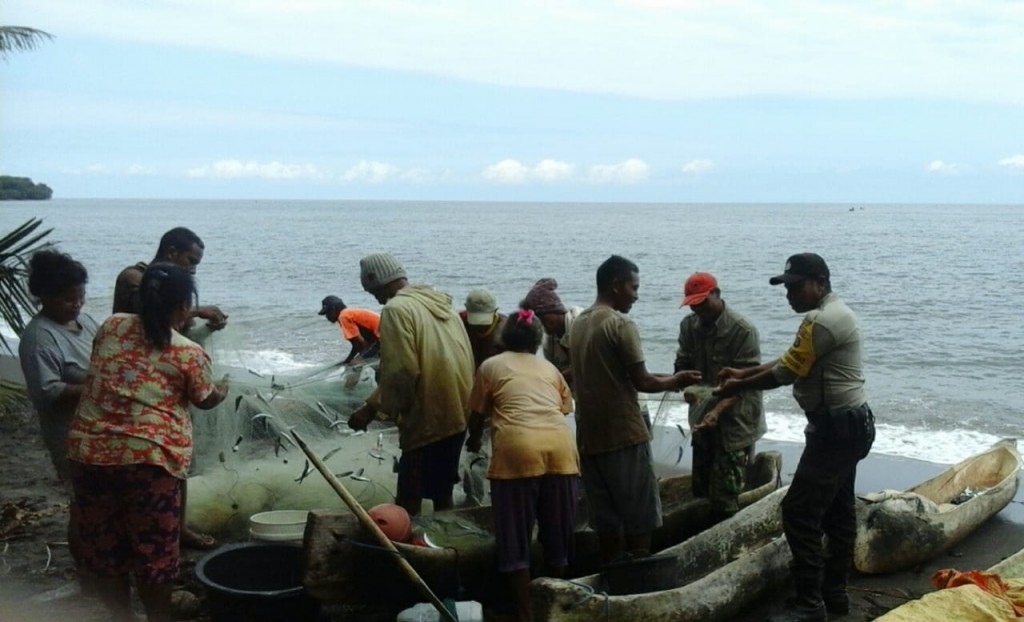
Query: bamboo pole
(374, 528)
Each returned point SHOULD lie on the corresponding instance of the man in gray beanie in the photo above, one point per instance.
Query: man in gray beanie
(426, 373)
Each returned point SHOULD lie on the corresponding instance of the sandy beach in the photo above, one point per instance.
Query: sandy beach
(35, 566)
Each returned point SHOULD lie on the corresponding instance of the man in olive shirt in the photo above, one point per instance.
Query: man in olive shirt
(826, 369)
(181, 247)
(712, 337)
(613, 436)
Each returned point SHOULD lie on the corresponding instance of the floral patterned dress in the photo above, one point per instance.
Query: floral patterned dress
(135, 408)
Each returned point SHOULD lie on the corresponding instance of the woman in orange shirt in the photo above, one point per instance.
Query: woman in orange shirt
(534, 471)
(130, 445)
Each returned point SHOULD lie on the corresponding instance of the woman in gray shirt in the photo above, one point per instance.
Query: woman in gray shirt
(56, 346)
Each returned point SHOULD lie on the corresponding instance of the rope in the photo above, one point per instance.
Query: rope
(589, 594)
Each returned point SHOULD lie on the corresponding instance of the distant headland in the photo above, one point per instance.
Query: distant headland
(22, 189)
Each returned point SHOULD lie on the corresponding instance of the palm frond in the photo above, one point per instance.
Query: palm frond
(20, 39)
(10, 396)
(15, 249)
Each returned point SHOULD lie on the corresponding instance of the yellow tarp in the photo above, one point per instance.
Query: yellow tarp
(966, 603)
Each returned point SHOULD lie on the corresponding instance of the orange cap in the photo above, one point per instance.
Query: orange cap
(697, 288)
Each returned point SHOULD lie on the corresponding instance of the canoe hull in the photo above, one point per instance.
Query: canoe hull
(339, 568)
(888, 540)
(719, 572)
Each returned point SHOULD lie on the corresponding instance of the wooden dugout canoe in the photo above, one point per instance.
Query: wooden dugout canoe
(898, 530)
(718, 573)
(338, 567)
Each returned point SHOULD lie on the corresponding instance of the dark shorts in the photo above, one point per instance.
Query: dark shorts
(128, 520)
(548, 500)
(622, 491)
(431, 471)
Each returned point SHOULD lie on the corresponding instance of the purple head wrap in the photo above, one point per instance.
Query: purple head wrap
(543, 299)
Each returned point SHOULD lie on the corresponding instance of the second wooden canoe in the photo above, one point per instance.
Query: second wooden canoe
(897, 530)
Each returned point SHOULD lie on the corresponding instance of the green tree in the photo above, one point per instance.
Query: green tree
(16, 247)
(15, 302)
(22, 188)
(20, 39)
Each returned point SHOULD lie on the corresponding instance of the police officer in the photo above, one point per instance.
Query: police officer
(825, 367)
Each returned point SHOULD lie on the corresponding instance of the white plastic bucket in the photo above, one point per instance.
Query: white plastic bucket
(278, 525)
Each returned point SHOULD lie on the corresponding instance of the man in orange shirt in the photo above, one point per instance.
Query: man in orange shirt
(359, 326)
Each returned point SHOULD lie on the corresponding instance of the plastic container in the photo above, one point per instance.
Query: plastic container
(256, 582)
(640, 575)
(465, 610)
(278, 525)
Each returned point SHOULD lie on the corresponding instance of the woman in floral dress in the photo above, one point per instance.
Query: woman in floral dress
(130, 445)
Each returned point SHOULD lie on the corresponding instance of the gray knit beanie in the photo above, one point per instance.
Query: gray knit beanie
(379, 269)
(543, 299)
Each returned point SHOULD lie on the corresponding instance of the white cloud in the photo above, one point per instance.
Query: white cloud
(939, 167)
(1014, 161)
(507, 172)
(631, 171)
(552, 170)
(841, 48)
(370, 172)
(698, 167)
(236, 169)
(515, 172)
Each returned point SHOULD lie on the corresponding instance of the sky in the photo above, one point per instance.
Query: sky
(687, 101)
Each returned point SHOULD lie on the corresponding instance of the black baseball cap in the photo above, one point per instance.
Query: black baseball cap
(329, 304)
(800, 267)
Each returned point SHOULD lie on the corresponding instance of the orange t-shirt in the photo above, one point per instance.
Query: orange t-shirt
(527, 400)
(351, 320)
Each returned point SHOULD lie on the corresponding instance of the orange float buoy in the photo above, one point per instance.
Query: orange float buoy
(393, 520)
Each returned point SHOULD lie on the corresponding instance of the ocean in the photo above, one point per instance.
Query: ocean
(938, 289)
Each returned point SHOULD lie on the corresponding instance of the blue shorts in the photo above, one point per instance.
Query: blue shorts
(622, 490)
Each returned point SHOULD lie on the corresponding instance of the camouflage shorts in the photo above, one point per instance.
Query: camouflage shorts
(719, 474)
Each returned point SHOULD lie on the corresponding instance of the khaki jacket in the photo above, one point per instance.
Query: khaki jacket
(426, 366)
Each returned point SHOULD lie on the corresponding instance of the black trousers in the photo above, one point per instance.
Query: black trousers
(820, 502)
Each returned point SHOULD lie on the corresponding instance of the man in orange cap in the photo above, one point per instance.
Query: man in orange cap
(714, 336)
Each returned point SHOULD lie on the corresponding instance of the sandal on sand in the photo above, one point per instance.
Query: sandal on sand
(199, 541)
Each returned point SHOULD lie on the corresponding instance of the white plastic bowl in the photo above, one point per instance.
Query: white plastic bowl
(278, 525)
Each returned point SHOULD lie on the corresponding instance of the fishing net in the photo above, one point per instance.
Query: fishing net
(669, 431)
(245, 460)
